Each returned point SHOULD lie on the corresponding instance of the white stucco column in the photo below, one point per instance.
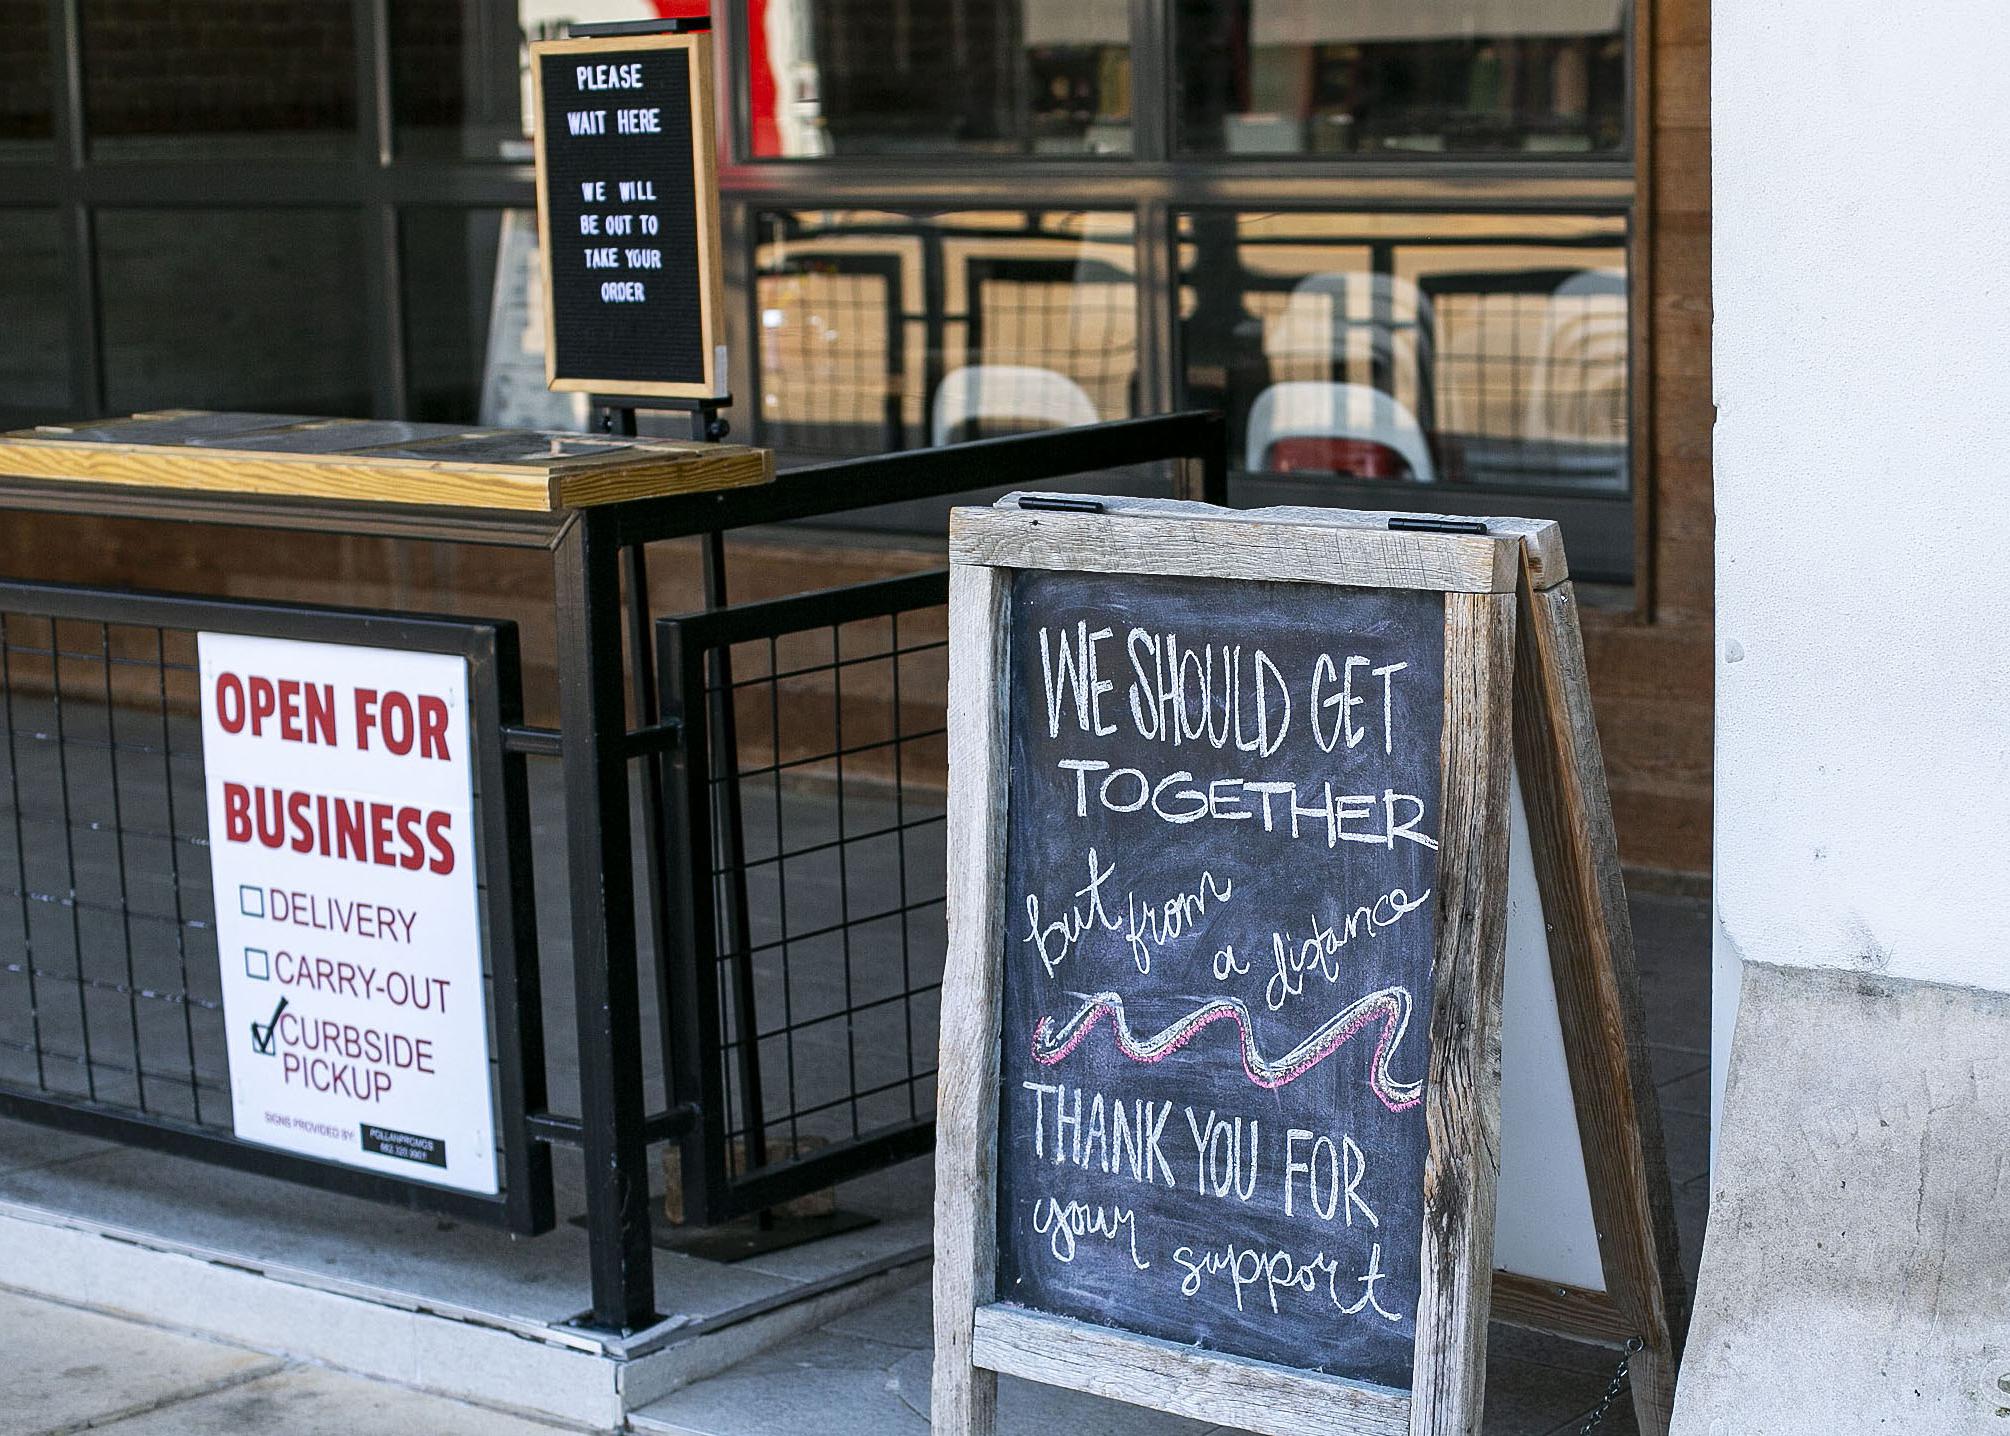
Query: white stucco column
(1854, 1270)
(1861, 275)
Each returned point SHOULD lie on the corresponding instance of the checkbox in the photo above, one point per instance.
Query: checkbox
(251, 901)
(258, 964)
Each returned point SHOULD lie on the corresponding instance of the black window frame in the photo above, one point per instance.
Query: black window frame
(373, 181)
(1157, 183)
(1153, 183)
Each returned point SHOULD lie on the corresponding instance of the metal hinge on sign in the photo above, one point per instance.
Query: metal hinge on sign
(1612, 1389)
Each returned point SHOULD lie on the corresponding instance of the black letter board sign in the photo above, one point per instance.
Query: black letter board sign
(628, 215)
(1222, 860)
(1220, 1114)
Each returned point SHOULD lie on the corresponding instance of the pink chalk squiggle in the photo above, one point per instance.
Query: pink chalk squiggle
(1391, 1005)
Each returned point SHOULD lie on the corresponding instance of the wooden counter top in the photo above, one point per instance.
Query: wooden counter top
(375, 460)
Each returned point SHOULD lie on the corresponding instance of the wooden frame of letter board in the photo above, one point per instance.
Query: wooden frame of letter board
(705, 177)
(975, 1335)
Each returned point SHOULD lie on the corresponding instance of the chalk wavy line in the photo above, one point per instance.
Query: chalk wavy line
(1391, 1005)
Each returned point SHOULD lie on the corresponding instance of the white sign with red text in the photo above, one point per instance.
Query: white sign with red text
(342, 853)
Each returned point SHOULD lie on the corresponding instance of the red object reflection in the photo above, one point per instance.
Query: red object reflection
(764, 135)
(1356, 458)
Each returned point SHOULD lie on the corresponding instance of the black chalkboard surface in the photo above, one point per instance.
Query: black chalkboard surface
(628, 215)
(1220, 923)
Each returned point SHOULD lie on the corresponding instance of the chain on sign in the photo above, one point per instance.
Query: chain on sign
(1612, 1390)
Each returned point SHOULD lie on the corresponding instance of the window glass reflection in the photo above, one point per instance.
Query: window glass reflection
(276, 78)
(457, 80)
(460, 69)
(886, 331)
(823, 77)
(34, 317)
(1475, 349)
(474, 321)
(26, 65)
(1398, 77)
(866, 77)
(449, 268)
(277, 328)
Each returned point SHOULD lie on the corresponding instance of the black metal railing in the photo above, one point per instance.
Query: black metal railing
(723, 904)
(111, 1002)
(808, 807)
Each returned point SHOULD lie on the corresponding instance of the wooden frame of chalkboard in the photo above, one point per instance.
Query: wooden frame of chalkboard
(703, 364)
(977, 1335)
(1574, 947)
(1589, 933)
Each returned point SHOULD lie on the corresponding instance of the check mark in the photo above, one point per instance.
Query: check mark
(262, 1035)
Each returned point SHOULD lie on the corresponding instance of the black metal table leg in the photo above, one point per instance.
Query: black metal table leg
(733, 854)
(593, 754)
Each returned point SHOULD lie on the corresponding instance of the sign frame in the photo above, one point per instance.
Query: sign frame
(525, 1205)
(525, 1202)
(978, 1336)
(697, 47)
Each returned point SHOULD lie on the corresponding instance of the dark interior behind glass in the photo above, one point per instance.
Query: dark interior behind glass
(843, 78)
(1402, 77)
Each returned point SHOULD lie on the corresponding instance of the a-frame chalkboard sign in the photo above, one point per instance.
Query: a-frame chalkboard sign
(1249, 814)
(628, 215)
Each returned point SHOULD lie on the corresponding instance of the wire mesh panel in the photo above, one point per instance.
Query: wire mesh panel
(816, 770)
(108, 990)
(1068, 325)
(112, 1017)
(1531, 375)
(833, 353)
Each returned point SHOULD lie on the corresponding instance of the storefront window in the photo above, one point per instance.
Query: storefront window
(835, 78)
(278, 327)
(1402, 77)
(460, 69)
(457, 80)
(449, 270)
(277, 78)
(474, 321)
(891, 331)
(824, 78)
(35, 359)
(25, 68)
(1413, 359)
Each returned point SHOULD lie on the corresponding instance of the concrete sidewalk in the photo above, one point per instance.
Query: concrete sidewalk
(73, 1370)
(868, 1373)
(865, 1374)
(68, 1369)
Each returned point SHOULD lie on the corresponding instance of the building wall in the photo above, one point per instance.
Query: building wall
(1650, 668)
(1864, 663)
(1649, 653)
(1852, 1277)
(160, 70)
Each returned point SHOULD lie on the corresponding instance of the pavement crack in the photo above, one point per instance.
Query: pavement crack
(99, 1422)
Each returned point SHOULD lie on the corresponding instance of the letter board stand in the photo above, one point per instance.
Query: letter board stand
(1160, 713)
(648, 179)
